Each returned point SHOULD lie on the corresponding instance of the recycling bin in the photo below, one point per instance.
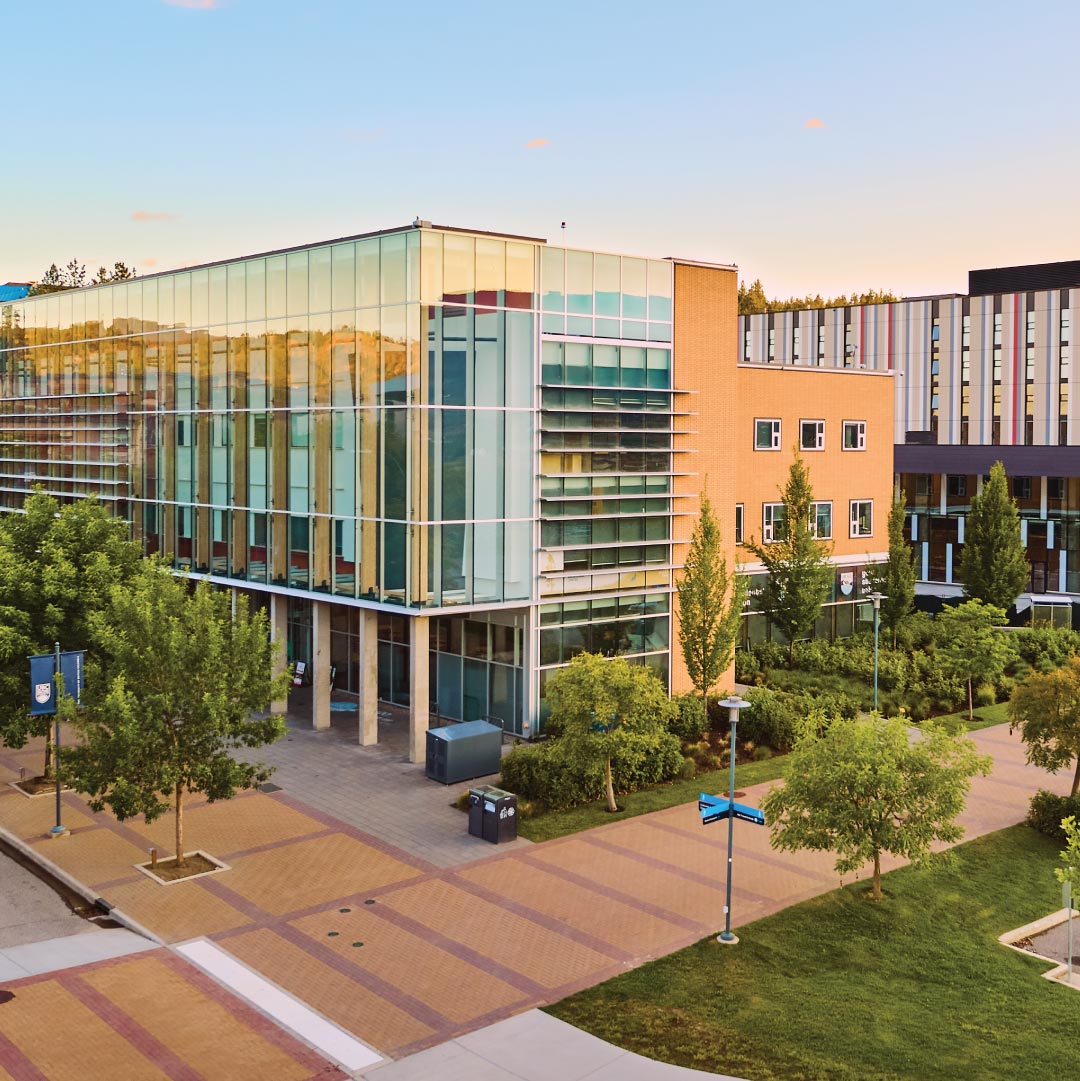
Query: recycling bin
(492, 814)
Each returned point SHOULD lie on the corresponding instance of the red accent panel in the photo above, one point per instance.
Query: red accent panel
(1016, 367)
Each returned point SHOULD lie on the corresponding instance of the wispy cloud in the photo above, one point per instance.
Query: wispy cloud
(149, 262)
(533, 143)
(201, 5)
(153, 215)
(813, 122)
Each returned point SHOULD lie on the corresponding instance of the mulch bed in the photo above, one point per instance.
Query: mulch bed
(193, 865)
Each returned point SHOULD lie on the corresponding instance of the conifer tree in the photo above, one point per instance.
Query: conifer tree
(993, 561)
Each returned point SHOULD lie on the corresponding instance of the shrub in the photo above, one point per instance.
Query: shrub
(1046, 648)
(688, 769)
(761, 754)
(692, 721)
(462, 801)
(771, 655)
(1048, 809)
(985, 694)
(747, 667)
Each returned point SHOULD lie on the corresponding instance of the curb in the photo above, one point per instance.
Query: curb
(74, 884)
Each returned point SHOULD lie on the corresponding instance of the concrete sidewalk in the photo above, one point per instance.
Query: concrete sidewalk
(533, 1046)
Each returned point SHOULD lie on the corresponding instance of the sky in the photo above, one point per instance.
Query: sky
(824, 147)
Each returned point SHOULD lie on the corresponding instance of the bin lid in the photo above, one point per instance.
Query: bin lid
(465, 731)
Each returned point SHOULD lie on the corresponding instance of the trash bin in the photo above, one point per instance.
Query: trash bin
(492, 814)
(460, 752)
(476, 812)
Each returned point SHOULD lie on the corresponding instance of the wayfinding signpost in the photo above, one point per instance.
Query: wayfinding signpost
(714, 808)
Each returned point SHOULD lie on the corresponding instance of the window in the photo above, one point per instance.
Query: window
(738, 523)
(772, 522)
(260, 431)
(1055, 487)
(862, 518)
(854, 435)
(1021, 487)
(922, 484)
(957, 485)
(746, 344)
(811, 435)
(766, 435)
(821, 520)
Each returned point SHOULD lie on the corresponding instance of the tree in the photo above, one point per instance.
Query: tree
(864, 787)
(57, 568)
(971, 646)
(1046, 707)
(993, 561)
(797, 563)
(183, 682)
(1069, 871)
(73, 276)
(753, 301)
(708, 615)
(120, 272)
(607, 710)
(895, 579)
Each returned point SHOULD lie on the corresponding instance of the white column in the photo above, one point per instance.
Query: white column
(369, 677)
(948, 563)
(320, 664)
(944, 499)
(1062, 580)
(418, 688)
(1043, 489)
(279, 635)
(925, 576)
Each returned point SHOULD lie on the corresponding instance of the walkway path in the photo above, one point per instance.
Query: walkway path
(406, 954)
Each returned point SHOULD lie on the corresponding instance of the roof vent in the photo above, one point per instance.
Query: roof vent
(419, 223)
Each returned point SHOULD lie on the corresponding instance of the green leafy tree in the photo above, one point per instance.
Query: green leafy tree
(797, 562)
(710, 605)
(57, 568)
(895, 578)
(73, 276)
(183, 684)
(864, 786)
(607, 710)
(120, 272)
(993, 561)
(753, 301)
(971, 647)
(1046, 708)
(1069, 871)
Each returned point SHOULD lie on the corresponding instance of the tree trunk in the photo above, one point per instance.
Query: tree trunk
(1076, 778)
(609, 788)
(894, 637)
(791, 653)
(971, 707)
(49, 752)
(876, 894)
(179, 825)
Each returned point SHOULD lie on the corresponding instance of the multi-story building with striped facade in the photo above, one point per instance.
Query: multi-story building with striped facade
(978, 378)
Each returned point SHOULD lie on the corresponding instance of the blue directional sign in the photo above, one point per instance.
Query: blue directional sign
(715, 808)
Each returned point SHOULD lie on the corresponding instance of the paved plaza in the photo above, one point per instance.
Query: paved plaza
(407, 953)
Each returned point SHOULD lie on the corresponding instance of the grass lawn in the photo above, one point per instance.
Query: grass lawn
(985, 716)
(551, 824)
(842, 989)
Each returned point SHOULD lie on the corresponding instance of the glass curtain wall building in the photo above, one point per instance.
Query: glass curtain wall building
(424, 422)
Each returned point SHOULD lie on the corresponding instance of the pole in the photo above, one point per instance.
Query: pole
(58, 830)
(877, 624)
(727, 936)
(1070, 946)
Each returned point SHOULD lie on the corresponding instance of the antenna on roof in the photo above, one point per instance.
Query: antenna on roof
(562, 226)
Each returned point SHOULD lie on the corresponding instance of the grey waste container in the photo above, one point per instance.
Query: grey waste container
(460, 752)
(476, 811)
(499, 814)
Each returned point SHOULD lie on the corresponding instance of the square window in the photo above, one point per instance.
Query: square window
(821, 520)
(957, 485)
(862, 518)
(1022, 487)
(766, 434)
(854, 435)
(811, 435)
(1055, 487)
(772, 522)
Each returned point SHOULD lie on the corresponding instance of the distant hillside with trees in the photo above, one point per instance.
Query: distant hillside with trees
(753, 301)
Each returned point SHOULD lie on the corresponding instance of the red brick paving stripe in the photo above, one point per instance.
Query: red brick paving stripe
(235, 900)
(15, 1062)
(127, 1027)
(458, 949)
(720, 843)
(423, 1013)
(258, 1022)
(713, 882)
(357, 835)
(613, 894)
(283, 842)
(106, 821)
(582, 938)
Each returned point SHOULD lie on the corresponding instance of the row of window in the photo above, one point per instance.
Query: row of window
(768, 434)
(956, 485)
(860, 520)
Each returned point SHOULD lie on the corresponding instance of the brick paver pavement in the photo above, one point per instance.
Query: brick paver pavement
(406, 954)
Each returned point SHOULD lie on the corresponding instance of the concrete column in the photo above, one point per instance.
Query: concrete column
(369, 678)
(418, 688)
(943, 502)
(279, 635)
(1043, 500)
(320, 664)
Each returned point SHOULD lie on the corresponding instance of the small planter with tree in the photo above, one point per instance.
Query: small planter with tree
(183, 683)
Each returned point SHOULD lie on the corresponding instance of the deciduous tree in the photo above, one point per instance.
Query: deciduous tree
(183, 684)
(710, 604)
(607, 710)
(895, 578)
(993, 561)
(797, 562)
(1046, 707)
(865, 786)
(970, 645)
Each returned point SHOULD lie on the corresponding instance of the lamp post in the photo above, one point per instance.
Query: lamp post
(733, 704)
(877, 598)
(59, 830)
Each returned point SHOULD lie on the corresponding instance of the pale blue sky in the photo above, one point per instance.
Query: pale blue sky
(950, 137)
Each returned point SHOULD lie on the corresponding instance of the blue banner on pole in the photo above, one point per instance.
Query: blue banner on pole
(43, 691)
